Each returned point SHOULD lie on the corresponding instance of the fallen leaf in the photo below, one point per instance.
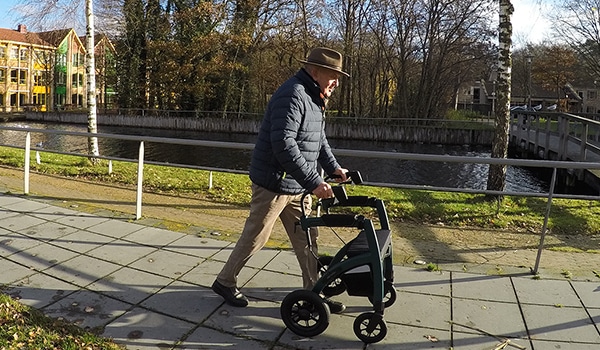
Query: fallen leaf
(431, 338)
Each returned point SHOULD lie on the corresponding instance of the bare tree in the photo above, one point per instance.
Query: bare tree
(497, 173)
(578, 25)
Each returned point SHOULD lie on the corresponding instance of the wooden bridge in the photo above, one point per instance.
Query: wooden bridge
(558, 136)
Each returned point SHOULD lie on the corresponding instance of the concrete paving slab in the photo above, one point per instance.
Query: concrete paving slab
(51, 212)
(11, 242)
(588, 292)
(7, 200)
(206, 338)
(153, 236)
(260, 320)
(43, 256)
(482, 287)
(82, 270)
(469, 341)
(413, 338)
(19, 222)
(27, 206)
(285, 262)
(272, 286)
(48, 231)
(545, 292)
(82, 220)
(112, 228)
(258, 260)
(422, 310)
(198, 246)
(87, 309)
(12, 271)
(166, 263)
(81, 241)
(422, 281)
(185, 301)
(560, 323)
(205, 273)
(121, 252)
(338, 335)
(7, 213)
(40, 290)
(502, 319)
(141, 329)
(554, 345)
(129, 285)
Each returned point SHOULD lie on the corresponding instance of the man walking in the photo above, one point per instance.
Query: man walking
(291, 145)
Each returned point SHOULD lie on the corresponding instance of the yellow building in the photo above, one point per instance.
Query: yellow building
(46, 70)
(25, 70)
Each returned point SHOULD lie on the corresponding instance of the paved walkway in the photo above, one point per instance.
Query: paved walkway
(148, 288)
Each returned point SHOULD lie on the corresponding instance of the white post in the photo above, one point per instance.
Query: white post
(140, 179)
(210, 180)
(27, 160)
(37, 157)
(109, 166)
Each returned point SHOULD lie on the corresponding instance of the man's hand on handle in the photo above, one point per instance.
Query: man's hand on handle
(324, 189)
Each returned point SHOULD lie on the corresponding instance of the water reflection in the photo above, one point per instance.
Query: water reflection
(410, 172)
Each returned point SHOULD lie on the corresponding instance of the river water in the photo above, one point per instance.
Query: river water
(455, 175)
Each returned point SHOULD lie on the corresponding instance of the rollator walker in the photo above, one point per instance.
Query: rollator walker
(362, 267)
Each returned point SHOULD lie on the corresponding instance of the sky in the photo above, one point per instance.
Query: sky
(529, 24)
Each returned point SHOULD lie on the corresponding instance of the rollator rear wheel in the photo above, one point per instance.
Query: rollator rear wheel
(305, 313)
(389, 294)
(336, 287)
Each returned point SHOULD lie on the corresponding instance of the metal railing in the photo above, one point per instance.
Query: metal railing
(554, 165)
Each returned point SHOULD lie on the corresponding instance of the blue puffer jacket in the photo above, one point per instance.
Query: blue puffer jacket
(291, 140)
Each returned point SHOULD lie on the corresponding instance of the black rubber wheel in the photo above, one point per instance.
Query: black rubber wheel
(363, 322)
(305, 313)
(389, 295)
(336, 287)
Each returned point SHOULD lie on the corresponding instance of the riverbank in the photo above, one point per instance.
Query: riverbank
(442, 132)
(486, 251)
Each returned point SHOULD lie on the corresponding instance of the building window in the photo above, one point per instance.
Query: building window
(14, 76)
(39, 99)
(38, 78)
(2, 75)
(2, 51)
(14, 52)
(22, 77)
(1, 99)
(24, 54)
(78, 59)
(61, 60)
(61, 78)
(592, 94)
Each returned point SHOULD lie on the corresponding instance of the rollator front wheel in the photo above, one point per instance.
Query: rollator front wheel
(305, 313)
(370, 328)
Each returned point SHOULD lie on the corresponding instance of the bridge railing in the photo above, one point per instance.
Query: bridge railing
(568, 136)
(554, 165)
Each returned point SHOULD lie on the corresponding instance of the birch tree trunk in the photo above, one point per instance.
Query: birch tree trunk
(90, 69)
(497, 173)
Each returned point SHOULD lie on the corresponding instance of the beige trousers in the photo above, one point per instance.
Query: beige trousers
(265, 208)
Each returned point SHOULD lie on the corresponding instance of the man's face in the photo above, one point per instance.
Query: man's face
(327, 80)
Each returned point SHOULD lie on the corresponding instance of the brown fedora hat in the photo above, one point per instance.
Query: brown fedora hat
(326, 58)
